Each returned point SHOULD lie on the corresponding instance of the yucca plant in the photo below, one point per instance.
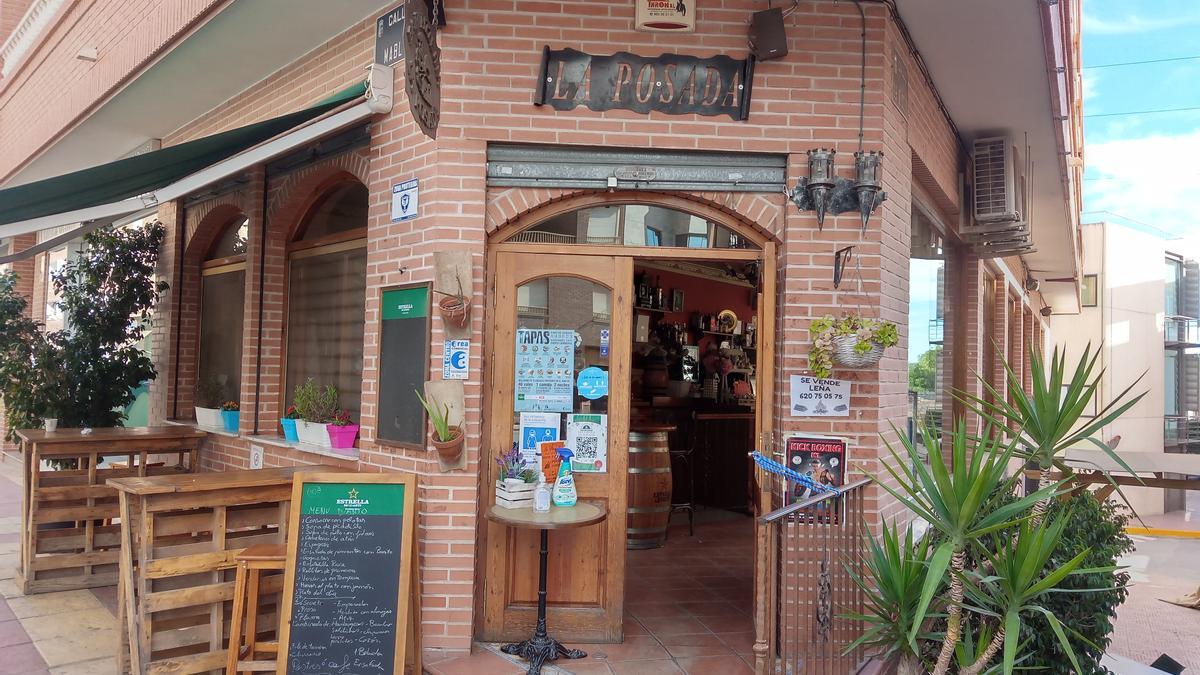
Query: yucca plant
(959, 501)
(1012, 585)
(1048, 419)
(897, 569)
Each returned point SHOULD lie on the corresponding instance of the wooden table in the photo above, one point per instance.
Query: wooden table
(181, 536)
(1095, 467)
(541, 647)
(68, 537)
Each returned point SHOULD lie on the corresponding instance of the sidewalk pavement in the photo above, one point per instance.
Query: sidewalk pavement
(65, 633)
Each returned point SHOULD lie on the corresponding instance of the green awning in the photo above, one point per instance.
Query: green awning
(133, 176)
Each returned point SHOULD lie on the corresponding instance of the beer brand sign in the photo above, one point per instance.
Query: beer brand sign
(666, 15)
(670, 83)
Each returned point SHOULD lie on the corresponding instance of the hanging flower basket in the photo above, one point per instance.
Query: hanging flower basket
(845, 353)
(849, 342)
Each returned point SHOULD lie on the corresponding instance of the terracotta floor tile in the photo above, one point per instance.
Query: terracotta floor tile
(728, 623)
(711, 608)
(634, 648)
(740, 643)
(584, 667)
(715, 665)
(656, 667)
(660, 626)
(632, 626)
(644, 610)
(694, 645)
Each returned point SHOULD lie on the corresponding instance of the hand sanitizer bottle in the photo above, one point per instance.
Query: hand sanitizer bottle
(564, 486)
(541, 495)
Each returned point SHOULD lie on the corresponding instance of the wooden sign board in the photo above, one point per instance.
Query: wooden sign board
(350, 597)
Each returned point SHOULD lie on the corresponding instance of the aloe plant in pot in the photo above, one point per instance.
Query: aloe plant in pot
(447, 439)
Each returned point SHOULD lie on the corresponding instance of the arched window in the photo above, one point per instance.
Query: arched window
(327, 277)
(222, 302)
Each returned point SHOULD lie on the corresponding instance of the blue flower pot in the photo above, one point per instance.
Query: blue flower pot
(289, 429)
(231, 419)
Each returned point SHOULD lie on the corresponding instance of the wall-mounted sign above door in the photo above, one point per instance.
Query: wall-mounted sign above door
(669, 83)
(676, 16)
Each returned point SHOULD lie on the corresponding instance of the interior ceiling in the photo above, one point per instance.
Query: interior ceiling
(988, 61)
(236, 48)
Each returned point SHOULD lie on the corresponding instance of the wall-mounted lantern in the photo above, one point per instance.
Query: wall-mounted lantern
(824, 192)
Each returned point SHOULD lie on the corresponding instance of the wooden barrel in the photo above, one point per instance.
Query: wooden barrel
(649, 497)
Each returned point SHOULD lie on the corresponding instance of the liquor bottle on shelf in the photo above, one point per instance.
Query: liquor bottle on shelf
(658, 293)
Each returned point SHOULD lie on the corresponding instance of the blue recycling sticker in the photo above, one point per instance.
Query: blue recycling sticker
(592, 383)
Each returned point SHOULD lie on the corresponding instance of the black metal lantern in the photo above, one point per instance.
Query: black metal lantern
(867, 183)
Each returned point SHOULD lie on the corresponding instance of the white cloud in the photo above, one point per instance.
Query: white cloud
(1133, 24)
(1153, 179)
(1091, 84)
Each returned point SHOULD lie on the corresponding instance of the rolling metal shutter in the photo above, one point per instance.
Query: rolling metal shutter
(557, 166)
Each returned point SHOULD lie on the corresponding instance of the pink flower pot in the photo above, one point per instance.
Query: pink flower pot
(342, 438)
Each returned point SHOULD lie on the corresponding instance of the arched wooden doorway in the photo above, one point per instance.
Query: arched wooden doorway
(569, 266)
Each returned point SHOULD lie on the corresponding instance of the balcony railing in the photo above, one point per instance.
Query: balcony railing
(937, 330)
(1179, 430)
(1181, 332)
(816, 543)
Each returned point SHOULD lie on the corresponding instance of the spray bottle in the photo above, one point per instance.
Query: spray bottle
(564, 485)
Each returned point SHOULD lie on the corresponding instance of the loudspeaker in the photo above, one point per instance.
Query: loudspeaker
(768, 39)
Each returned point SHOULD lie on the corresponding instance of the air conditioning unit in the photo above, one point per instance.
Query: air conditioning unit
(1001, 183)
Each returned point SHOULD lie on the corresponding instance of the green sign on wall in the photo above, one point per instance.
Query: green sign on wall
(406, 303)
(351, 499)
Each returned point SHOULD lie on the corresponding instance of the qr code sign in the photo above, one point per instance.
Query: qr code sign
(588, 450)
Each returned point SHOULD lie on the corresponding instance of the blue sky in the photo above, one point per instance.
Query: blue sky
(1142, 167)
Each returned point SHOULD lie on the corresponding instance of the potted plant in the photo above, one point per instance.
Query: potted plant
(209, 394)
(50, 418)
(446, 439)
(342, 431)
(316, 407)
(514, 482)
(851, 342)
(231, 416)
(455, 308)
(288, 422)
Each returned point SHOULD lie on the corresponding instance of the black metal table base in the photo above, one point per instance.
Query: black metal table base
(541, 648)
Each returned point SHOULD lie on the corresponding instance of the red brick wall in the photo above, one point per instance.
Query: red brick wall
(492, 49)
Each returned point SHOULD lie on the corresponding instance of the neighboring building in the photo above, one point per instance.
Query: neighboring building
(1141, 299)
(282, 241)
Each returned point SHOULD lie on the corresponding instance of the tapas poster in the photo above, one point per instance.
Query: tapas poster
(545, 371)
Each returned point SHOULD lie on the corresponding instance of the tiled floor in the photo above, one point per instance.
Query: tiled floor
(687, 610)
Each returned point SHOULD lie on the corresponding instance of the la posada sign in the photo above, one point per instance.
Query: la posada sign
(674, 84)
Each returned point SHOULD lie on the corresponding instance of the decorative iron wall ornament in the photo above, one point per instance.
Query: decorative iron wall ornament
(669, 83)
(422, 66)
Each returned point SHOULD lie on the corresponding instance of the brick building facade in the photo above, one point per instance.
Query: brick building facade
(491, 50)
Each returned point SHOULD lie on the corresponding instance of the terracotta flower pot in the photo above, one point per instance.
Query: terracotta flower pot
(449, 450)
(455, 310)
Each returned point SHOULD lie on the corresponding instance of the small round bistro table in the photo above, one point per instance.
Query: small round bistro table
(541, 647)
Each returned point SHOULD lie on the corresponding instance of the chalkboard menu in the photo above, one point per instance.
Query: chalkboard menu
(403, 364)
(349, 574)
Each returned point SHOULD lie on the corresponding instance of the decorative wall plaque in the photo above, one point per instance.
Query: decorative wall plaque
(669, 83)
(422, 67)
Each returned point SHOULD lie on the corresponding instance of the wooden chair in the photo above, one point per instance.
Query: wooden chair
(250, 565)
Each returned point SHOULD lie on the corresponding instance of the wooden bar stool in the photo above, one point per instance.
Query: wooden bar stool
(250, 565)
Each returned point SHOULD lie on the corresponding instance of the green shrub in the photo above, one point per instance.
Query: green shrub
(1099, 526)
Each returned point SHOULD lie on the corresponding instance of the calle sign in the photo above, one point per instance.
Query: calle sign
(669, 83)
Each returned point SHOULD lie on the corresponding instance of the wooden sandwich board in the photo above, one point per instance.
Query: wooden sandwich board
(352, 550)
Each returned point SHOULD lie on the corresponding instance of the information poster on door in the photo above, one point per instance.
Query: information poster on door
(587, 437)
(545, 365)
(535, 429)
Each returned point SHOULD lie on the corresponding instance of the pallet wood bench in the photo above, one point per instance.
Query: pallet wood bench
(181, 536)
(69, 540)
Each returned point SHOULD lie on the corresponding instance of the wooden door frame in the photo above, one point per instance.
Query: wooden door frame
(766, 365)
